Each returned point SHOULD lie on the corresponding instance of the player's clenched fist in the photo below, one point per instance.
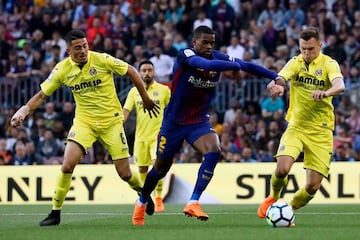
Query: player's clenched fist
(19, 116)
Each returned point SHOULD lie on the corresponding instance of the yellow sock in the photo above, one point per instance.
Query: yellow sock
(62, 188)
(142, 177)
(134, 182)
(159, 188)
(300, 199)
(276, 185)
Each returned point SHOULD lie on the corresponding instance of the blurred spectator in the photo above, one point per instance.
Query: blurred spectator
(214, 121)
(334, 50)
(235, 49)
(274, 131)
(163, 64)
(185, 26)
(345, 105)
(5, 154)
(239, 138)
(179, 42)
(97, 28)
(25, 51)
(35, 18)
(67, 115)
(11, 139)
(82, 12)
(108, 46)
(168, 47)
(353, 120)
(173, 12)
(270, 105)
(20, 70)
(47, 26)
(50, 115)
(294, 12)
(342, 136)
(20, 156)
(225, 144)
(48, 148)
(64, 25)
(247, 156)
(273, 13)
(4, 46)
(34, 157)
(37, 41)
(202, 20)
(342, 154)
(222, 15)
(270, 37)
(58, 40)
(230, 113)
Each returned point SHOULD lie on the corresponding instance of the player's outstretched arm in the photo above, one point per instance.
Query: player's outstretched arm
(256, 69)
(213, 64)
(148, 104)
(34, 102)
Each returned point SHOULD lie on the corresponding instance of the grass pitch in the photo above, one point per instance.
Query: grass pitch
(90, 222)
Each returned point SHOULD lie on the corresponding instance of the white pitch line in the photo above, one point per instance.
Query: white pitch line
(167, 213)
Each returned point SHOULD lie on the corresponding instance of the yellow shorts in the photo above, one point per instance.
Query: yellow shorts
(145, 152)
(317, 147)
(112, 137)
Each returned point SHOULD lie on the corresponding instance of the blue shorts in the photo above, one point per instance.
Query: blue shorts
(172, 136)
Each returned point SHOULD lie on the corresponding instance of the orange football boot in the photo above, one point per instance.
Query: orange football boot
(264, 206)
(194, 210)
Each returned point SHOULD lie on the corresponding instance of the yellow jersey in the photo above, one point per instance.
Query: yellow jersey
(304, 79)
(92, 86)
(148, 128)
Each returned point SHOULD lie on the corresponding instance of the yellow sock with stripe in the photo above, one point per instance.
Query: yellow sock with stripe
(276, 185)
(159, 188)
(134, 182)
(62, 188)
(301, 198)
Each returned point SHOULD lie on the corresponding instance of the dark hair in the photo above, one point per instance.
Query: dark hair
(74, 35)
(202, 29)
(308, 33)
(145, 62)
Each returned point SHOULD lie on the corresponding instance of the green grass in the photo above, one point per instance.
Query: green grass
(88, 222)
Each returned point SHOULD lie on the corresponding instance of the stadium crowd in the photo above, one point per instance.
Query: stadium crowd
(31, 43)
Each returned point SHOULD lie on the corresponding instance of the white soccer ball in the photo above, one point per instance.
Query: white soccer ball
(280, 214)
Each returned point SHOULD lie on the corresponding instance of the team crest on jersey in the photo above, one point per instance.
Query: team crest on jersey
(212, 74)
(318, 72)
(92, 71)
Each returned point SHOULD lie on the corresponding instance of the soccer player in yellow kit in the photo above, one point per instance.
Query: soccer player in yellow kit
(147, 129)
(98, 115)
(314, 79)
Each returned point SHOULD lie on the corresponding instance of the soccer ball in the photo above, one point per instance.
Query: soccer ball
(280, 214)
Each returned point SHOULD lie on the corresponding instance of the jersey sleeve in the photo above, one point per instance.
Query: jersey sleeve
(333, 69)
(52, 82)
(130, 100)
(115, 65)
(290, 69)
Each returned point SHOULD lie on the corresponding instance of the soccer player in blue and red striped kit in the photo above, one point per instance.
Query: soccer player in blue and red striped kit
(195, 75)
